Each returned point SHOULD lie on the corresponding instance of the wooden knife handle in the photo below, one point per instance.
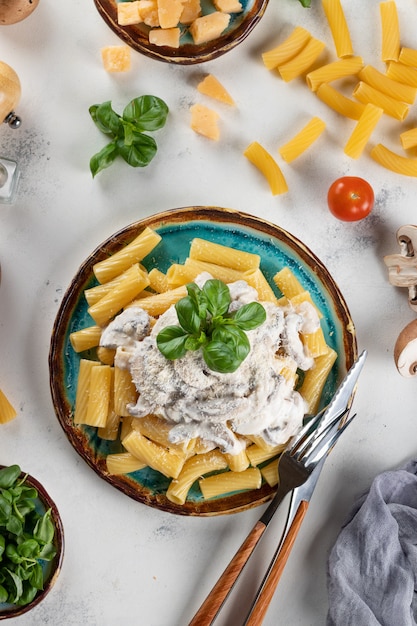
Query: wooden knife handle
(261, 605)
(211, 605)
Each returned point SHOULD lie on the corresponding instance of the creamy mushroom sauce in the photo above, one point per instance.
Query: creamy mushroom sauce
(254, 400)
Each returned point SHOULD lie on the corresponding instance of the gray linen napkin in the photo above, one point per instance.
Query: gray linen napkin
(372, 568)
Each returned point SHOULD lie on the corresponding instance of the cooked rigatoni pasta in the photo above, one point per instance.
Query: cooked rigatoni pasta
(367, 94)
(105, 355)
(181, 274)
(364, 128)
(158, 280)
(338, 27)
(334, 71)
(99, 396)
(402, 73)
(123, 463)
(390, 87)
(315, 379)
(7, 411)
(287, 283)
(193, 468)
(408, 138)
(238, 462)
(408, 56)
(288, 49)
(258, 454)
(270, 473)
(267, 165)
(134, 252)
(96, 293)
(393, 161)
(124, 391)
(83, 390)
(158, 303)
(339, 102)
(298, 144)
(133, 283)
(315, 343)
(390, 48)
(203, 250)
(86, 338)
(167, 461)
(257, 280)
(301, 63)
(228, 482)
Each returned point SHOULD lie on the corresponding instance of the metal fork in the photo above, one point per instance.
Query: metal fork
(303, 453)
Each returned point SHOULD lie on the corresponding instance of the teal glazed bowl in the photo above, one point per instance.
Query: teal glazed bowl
(136, 36)
(51, 569)
(178, 228)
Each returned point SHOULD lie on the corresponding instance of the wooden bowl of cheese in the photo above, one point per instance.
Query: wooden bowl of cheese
(182, 31)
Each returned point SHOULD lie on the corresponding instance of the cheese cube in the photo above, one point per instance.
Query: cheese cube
(191, 11)
(169, 13)
(148, 11)
(209, 27)
(211, 87)
(165, 37)
(128, 13)
(116, 58)
(228, 6)
(204, 121)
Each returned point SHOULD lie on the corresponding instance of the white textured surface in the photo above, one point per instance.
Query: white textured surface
(124, 561)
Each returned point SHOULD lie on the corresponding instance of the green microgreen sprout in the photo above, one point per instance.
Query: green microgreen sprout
(26, 539)
(205, 323)
(128, 139)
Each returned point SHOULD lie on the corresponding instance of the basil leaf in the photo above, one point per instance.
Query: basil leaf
(28, 593)
(9, 475)
(220, 357)
(187, 313)
(16, 587)
(44, 529)
(28, 548)
(47, 552)
(3, 594)
(141, 151)
(171, 342)
(106, 120)
(104, 158)
(5, 510)
(306, 3)
(199, 300)
(234, 338)
(36, 577)
(218, 297)
(146, 113)
(250, 316)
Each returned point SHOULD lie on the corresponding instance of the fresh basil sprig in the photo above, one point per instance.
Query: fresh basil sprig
(146, 113)
(306, 3)
(206, 324)
(26, 539)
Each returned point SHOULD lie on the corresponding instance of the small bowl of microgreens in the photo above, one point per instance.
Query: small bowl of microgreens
(31, 542)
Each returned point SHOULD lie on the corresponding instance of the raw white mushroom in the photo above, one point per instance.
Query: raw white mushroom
(405, 350)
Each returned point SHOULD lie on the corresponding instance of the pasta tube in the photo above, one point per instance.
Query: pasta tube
(258, 281)
(203, 250)
(83, 390)
(193, 469)
(362, 131)
(85, 338)
(315, 379)
(392, 107)
(402, 73)
(394, 162)
(340, 103)
(287, 283)
(286, 50)
(227, 482)
(165, 460)
(409, 138)
(123, 463)
(302, 62)
(302, 140)
(98, 396)
(157, 304)
(338, 27)
(408, 56)
(334, 71)
(264, 162)
(390, 31)
(392, 88)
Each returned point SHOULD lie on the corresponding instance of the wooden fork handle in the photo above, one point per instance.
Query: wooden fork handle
(211, 605)
(261, 604)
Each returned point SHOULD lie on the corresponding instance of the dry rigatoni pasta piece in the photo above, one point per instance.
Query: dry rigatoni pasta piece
(402, 73)
(134, 252)
(367, 94)
(259, 454)
(99, 396)
(288, 49)
(270, 473)
(7, 411)
(302, 62)
(363, 130)
(267, 165)
(158, 280)
(408, 138)
(83, 390)
(393, 161)
(228, 482)
(298, 144)
(157, 304)
(85, 338)
(339, 102)
(134, 282)
(238, 462)
(408, 56)
(390, 87)
(204, 250)
(390, 48)
(334, 71)
(257, 280)
(194, 468)
(315, 379)
(123, 463)
(124, 391)
(165, 460)
(287, 283)
(338, 27)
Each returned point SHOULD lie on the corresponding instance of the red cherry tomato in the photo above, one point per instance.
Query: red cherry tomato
(350, 198)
